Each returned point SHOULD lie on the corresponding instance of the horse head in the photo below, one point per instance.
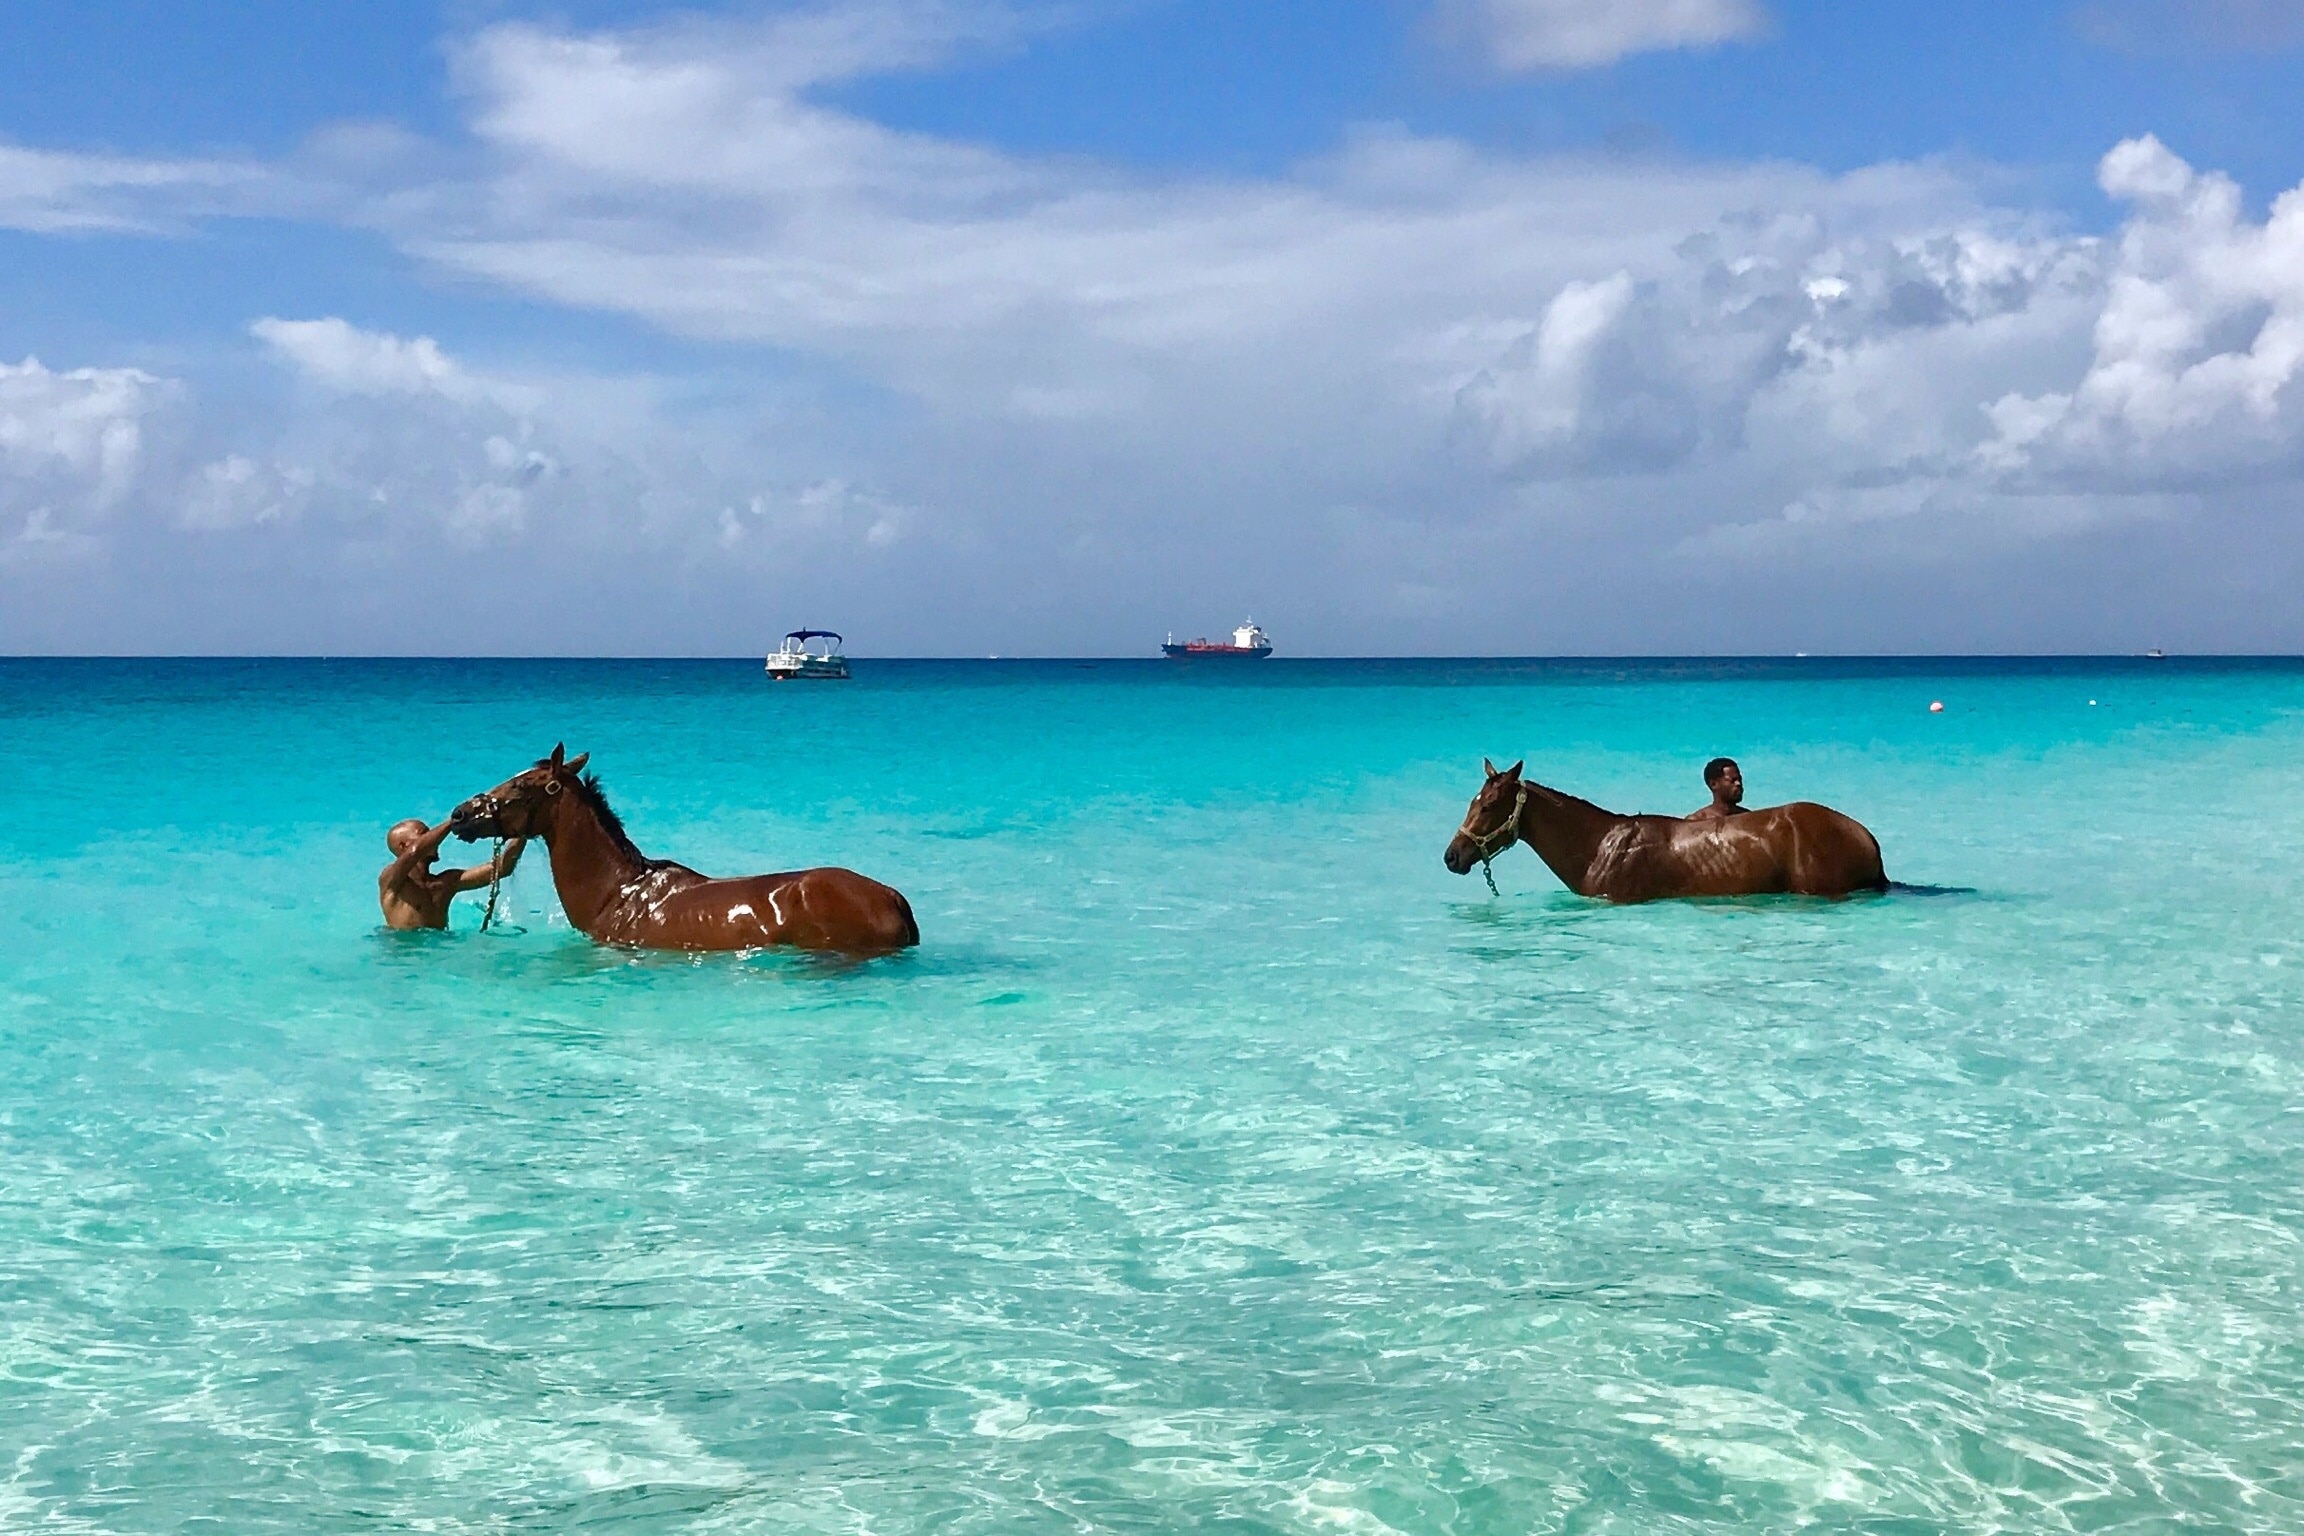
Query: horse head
(520, 806)
(1491, 821)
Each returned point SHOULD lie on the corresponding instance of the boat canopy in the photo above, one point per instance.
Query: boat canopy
(815, 634)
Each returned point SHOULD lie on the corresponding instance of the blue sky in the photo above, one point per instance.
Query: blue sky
(1251, 87)
(1435, 325)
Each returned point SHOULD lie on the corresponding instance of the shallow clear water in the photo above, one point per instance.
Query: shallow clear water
(1219, 1161)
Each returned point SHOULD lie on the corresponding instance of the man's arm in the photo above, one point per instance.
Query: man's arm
(425, 847)
(495, 869)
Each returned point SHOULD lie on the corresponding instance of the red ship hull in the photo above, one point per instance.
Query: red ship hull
(1195, 649)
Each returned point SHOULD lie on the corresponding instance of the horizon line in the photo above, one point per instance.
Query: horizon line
(1202, 665)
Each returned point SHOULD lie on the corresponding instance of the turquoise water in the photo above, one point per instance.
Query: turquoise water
(1219, 1161)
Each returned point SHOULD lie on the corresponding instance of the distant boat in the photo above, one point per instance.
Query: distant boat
(794, 659)
(1248, 642)
(2155, 654)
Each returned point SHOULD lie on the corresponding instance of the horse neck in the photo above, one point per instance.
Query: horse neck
(588, 866)
(1565, 832)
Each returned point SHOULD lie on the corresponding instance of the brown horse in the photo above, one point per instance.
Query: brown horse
(1801, 849)
(618, 895)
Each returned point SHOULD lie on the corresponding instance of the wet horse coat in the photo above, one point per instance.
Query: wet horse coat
(618, 895)
(1800, 849)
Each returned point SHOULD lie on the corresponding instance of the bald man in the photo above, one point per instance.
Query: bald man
(413, 893)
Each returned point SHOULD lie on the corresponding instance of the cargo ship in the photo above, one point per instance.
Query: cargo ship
(1248, 642)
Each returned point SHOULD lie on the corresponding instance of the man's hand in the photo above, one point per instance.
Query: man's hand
(418, 855)
(495, 869)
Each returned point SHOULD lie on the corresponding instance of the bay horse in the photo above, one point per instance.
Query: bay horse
(1800, 849)
(618, 895)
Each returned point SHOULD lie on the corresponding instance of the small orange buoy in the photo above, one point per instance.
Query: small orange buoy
(1936, 708)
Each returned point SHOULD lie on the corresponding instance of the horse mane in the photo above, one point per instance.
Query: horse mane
(589, 791)
(597, 798)
(1562, 797)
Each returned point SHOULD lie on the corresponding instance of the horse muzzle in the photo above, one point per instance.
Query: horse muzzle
(1461, 855)
(477, 818)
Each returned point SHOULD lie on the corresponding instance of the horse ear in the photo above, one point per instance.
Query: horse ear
(559, 752)
(576, 764)
(1513, 772)
(1489, 767)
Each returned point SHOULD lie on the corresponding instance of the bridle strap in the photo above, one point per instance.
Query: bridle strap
(1503, 835)
(1497, 840)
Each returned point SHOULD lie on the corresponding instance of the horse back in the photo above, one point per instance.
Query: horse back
(823, 908)
(1832, 852)
(1799, 848)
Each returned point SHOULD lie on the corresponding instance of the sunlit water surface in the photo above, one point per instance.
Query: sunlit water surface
(1219, 1161)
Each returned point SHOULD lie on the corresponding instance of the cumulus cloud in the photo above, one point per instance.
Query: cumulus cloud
(335, 353)
(399, 434)
(1583, 34)
(400, 430)
(239, 492)
(2197, 350)
(72, 446)
(1799, 321)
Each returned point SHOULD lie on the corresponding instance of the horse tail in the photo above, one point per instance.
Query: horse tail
(911, 924)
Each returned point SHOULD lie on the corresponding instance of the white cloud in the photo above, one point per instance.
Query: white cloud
(47, 192)
(72, 445)
(1554, 368)
(1407, 333)
(708, 194)
(829, 512)
(1853, 344)
(402, 439)
(400, 430)
(2197, 350)
(238, 492)
(1584, 34)
(2159, 26)
(341, 356)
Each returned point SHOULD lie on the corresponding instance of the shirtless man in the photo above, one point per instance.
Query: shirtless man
(1726, 781)
(413, 893)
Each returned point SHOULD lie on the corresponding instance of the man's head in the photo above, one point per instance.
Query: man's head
(1724, 779)
(403, 835)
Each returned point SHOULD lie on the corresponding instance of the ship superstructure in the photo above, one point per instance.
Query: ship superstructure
(1249, 642)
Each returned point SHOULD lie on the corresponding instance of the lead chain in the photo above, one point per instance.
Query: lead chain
(496, 884)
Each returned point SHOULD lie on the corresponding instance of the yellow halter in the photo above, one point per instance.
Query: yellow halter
(1495, 842)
